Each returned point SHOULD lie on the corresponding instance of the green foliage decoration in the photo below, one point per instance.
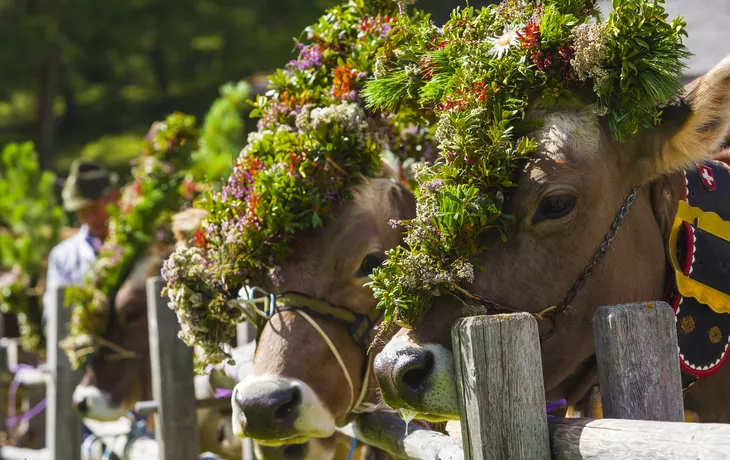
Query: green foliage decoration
(479, 76)
(314, 141)
(30, 223)
(160, 185)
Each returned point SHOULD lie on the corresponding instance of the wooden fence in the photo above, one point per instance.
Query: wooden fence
(500, 391)
(502, 398)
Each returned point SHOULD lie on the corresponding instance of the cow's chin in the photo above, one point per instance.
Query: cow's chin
(93, 403)
(418, 379)
(275, 411)
(314, 449)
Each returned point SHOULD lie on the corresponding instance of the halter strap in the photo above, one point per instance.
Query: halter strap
(359, 326)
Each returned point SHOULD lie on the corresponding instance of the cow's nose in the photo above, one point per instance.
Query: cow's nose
(403, 376)
(411, 371)
(82, 407)
(274, 412)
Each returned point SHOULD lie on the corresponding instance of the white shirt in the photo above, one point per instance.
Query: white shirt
(68, 263)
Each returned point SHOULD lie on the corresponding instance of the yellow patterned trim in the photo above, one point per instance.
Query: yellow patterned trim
(710, 223)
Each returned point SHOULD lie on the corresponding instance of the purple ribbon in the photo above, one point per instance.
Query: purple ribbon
(222, 393)
(12, 420)
(553, 406)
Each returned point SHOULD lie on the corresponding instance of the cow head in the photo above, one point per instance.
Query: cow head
(118, 375)
(297, 387)
(564, 204)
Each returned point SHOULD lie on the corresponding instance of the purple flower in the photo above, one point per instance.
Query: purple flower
(309, 56)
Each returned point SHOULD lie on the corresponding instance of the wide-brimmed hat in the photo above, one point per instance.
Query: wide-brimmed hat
(87, 181)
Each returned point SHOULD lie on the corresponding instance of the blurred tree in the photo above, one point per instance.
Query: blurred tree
(117, 65)
(30, 222)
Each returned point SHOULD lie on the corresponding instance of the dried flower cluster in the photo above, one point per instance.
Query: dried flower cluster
(479, 75)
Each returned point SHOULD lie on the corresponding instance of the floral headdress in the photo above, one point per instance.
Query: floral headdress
(478, 75)
(159, 187)
(314, 141)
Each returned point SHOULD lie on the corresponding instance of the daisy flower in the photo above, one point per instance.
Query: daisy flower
(502, 44)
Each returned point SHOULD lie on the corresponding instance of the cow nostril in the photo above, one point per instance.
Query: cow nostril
(295, 452)
(221, 435)
(291, 402)
(82, 407)
(414, 379)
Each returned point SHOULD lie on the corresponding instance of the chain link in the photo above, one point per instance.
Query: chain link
(602, 249)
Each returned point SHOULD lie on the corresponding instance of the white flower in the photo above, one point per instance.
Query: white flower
(502, 44)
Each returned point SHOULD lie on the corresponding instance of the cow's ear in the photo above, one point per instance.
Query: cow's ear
(691, 131)
(403, 203)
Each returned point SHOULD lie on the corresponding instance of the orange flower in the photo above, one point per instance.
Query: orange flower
(342, 80)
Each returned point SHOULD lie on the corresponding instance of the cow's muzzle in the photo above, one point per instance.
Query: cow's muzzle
(274, 411)
(418, 378)
(91, 402)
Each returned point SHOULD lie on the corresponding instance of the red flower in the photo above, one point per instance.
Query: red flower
(529, 37)
(292, 163)
(200, 239)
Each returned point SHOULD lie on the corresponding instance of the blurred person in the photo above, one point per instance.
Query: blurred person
(89, 189)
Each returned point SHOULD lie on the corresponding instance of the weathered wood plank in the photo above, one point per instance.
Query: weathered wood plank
(63, 426)
(246, 333)
(19, 453)
(638, 366)
(172, 380)
(152, 407)
(500, 388)
(610, 439)
(389, 433)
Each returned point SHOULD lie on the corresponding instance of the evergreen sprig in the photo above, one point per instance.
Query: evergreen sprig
(480, 75)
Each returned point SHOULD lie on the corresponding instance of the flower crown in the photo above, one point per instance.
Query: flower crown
(314, 141)
(478, 75)
(159, 186)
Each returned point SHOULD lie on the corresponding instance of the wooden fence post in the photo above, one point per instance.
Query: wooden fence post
(500, 388)
(638, 365)
(172, 380)
(63, 426)
(246, 333)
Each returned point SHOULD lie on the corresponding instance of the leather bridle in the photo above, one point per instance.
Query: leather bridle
(590, 268)
(260, 306)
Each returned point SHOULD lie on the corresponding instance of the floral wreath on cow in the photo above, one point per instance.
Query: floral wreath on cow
(160, 186)
(314, 140)
(478, 75)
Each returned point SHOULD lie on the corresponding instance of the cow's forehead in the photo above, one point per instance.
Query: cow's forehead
(569, 135)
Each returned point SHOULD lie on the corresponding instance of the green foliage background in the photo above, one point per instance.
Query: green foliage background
(30, 222)
(109, 69)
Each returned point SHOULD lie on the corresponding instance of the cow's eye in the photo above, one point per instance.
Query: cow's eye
(369, 263)
(554, 207)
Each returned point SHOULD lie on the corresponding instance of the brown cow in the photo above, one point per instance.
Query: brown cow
(296, 388)
(564, 204)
